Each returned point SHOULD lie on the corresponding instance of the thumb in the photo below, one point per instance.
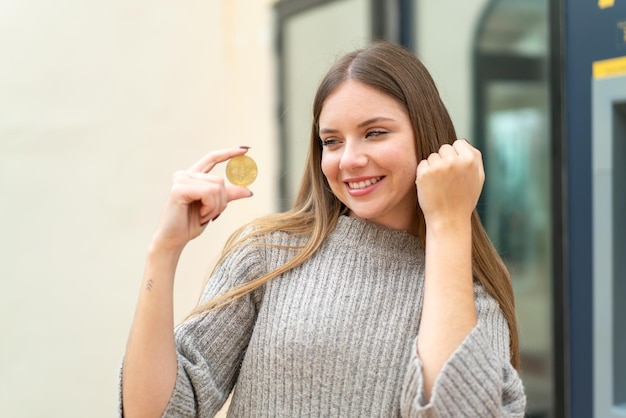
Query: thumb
(237, 192)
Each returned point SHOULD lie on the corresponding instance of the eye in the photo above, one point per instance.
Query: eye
(326, 142)
(375, 133)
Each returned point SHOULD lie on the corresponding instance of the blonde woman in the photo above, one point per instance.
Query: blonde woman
(377, 294)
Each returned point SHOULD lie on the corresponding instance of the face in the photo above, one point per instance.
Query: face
(369, 156)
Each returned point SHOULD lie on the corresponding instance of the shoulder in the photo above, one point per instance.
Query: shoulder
(261, 238)
(256, 245)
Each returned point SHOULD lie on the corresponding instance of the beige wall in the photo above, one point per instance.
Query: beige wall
(99, 103)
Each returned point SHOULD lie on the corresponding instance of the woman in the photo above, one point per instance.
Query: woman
(377, 294)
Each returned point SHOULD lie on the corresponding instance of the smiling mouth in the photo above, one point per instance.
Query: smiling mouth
(364, 183)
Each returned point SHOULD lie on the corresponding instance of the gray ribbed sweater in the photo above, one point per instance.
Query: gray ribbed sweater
(336, 337)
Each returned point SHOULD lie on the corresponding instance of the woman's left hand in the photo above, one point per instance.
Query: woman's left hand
(449, 183)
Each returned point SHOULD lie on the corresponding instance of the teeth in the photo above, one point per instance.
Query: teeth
(365, 183)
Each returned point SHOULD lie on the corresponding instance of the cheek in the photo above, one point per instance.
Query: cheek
(329, 167)
(398, 160)
(412, 171)
(408, 169)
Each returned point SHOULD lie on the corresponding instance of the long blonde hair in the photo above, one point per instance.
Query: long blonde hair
(398, 73)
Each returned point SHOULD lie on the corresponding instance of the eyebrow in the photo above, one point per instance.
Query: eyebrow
(360, 125)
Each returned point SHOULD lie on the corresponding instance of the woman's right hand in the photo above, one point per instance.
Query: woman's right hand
(196, 198)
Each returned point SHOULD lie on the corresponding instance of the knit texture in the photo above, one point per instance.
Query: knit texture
(336, 337)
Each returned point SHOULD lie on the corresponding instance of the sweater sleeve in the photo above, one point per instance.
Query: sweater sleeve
(211, 348)
(477, 380)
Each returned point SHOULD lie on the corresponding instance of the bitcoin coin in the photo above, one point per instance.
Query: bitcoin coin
(241, 170)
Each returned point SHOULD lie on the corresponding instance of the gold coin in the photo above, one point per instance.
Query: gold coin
(241, 170)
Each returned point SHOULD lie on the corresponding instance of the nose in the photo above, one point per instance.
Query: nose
(353, 156)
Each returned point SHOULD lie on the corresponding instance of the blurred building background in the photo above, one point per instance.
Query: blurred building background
(101, 103)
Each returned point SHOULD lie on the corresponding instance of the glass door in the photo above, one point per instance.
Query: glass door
(513, 130)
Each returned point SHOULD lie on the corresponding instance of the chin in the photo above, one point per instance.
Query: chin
(363, 214)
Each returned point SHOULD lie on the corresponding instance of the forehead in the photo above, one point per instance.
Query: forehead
(356, 99)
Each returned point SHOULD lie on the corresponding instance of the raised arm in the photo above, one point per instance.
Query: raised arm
(150, 362)
(448, 186)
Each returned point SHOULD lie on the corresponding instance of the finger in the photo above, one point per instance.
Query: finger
(209, 161)
(205, 221)
(468, 152)
(195, 185)
(214, 200)
(471, 155)
(447, 151)
(422, 166)
(212, 215)
(463, 147)
(214, 205)
(433, 158)
(208, 218)
(194, 176)
(207, 214)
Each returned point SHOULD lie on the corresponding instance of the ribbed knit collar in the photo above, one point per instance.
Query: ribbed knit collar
(371, 237)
